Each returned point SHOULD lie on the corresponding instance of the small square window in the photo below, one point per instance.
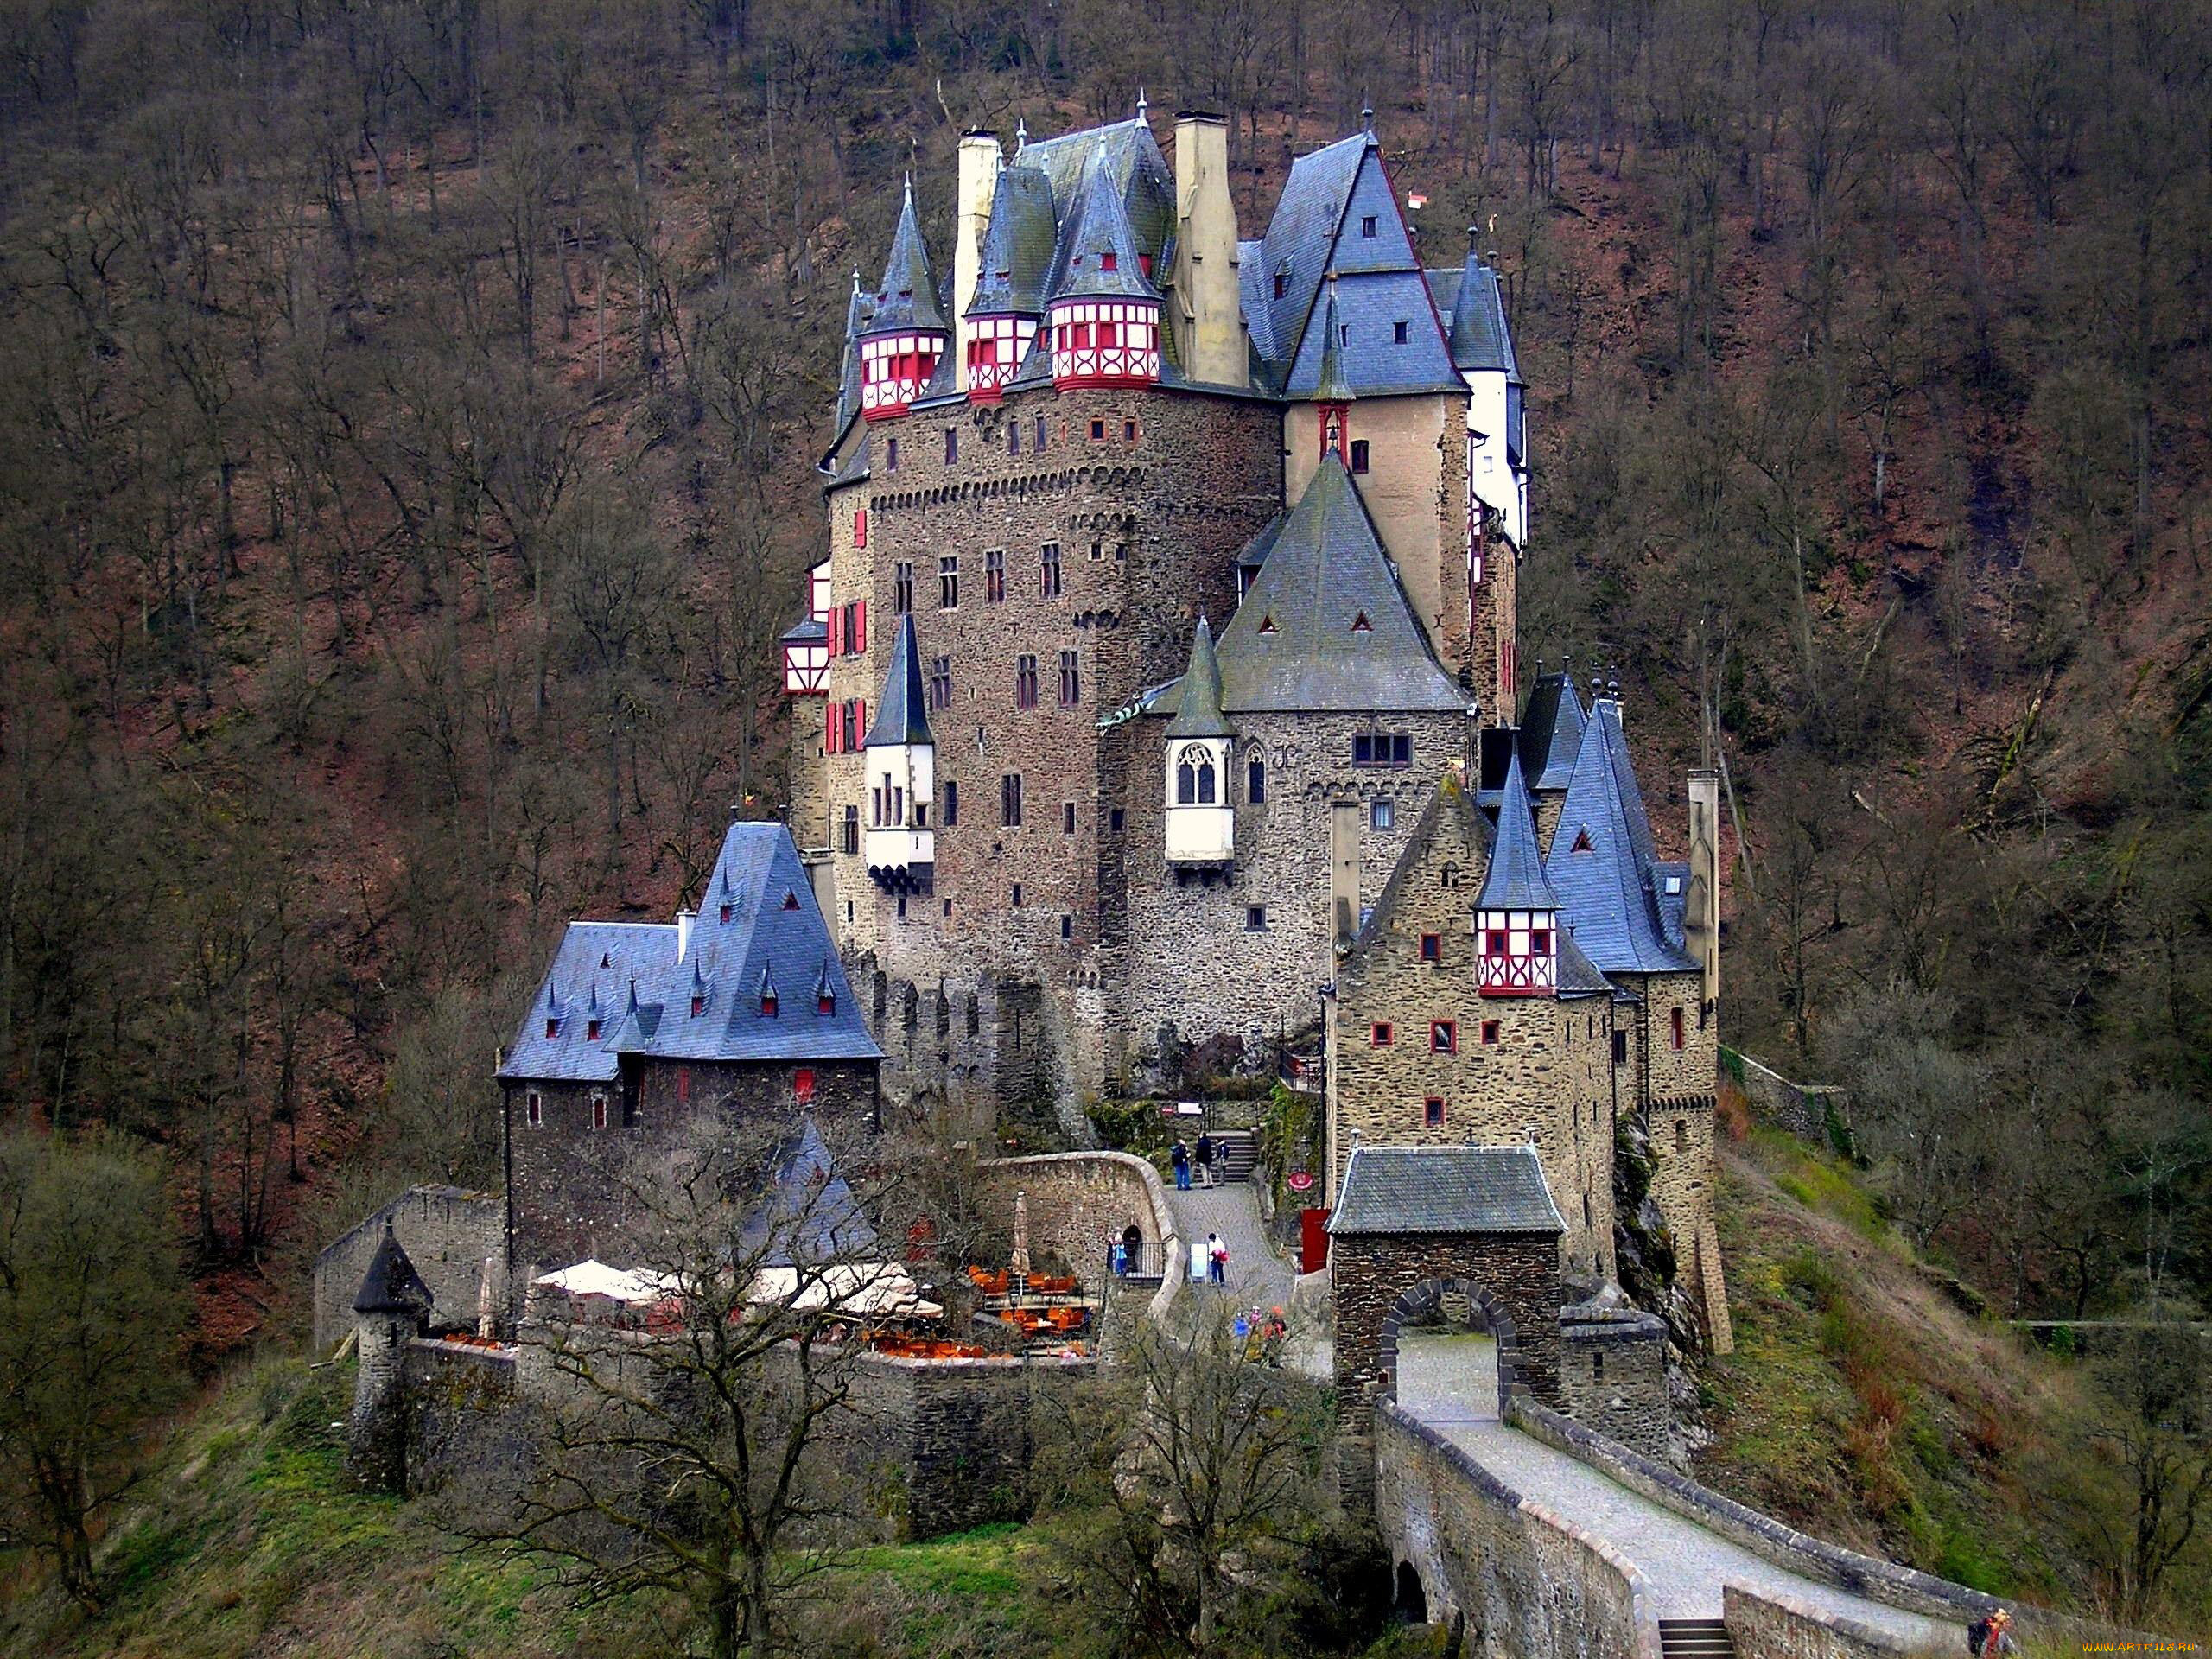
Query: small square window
(1443, 1037)
(1128, 431)
(1432, 947)
(1400, 332)
(1489, 1033)
(1380, 1035)
(1098, 430)
(1256, 919)
(1368, 227)
(1432, 1113)
(1382, 815)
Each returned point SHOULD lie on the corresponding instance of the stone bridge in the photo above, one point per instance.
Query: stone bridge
(1551, 1542)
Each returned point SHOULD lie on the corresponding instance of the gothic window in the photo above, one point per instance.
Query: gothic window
(948, 581)
(1024, 681)
(1052, 570)
(1256, 779)
(1071, 674)
(902, 587)
(993, 575)
(1186, 783)
(940, 684)
(1010, 800)
(1359, 455)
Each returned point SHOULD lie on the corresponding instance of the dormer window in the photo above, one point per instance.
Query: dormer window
(728, 911)
(790, 899)
(591, 1031)
(1361, 624)
(1267, 624)
(552, 1026)
(698, 1005)
(768, 1003)
(1110, 260)
(826, 1002)
(1581, 841)
(1368, 228)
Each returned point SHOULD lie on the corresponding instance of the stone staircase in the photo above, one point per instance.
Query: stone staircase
(1235, 1151)
(1695, 1638)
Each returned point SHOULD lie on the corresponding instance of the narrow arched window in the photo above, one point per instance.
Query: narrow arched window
(1187, 785)
(1256, 780)
(1206, 783)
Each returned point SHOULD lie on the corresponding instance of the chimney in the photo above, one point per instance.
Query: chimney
(979, 180)
(1343, 879)
(683, 934)
(1204, 311)
(1701, 907)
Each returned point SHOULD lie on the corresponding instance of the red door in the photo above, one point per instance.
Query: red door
(1313, 1240)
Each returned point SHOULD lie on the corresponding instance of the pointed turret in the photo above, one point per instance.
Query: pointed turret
(391, 1285)
(1517, 917)
(1482, 352)
(1332, 393)
(389, 1309)
(1105, 311)
(1602, 864)
(904, 334)
(901, 775)
(1015, 262)
(857, 308)
(1201, 825)
(766, 988)
(825, 990)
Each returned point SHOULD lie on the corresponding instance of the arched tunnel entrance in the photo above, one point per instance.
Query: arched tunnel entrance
(1409, 1606)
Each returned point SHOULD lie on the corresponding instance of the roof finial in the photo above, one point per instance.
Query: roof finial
(856, 281)
(1141, 106)
(911, 148)
(1367, 116)
(1021, 134)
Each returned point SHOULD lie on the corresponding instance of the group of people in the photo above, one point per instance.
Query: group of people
(1180, 1158)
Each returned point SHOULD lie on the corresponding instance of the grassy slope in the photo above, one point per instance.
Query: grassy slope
(1865, 1405)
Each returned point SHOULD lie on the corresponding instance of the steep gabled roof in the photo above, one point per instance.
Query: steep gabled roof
(1331, 387)
(1551, 732)
(1299, 239)
(774, 927)
(1099, 256)
(1603, 865)
(1325, 626)
(903, 715)
(1130, 157)
(1016, 258)
(907, 296)
(1445, 1190)
(1516, 878)
(1450, 823)
(858, 308)
(806, 1213)
(1198, 714)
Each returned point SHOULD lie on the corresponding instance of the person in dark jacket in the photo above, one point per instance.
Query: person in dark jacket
(1205, 1158)
(1179, 1156)
(1991, 1635)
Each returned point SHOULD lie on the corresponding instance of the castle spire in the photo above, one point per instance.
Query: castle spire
(1198, 712)
(1333, 387)
(1141, 104)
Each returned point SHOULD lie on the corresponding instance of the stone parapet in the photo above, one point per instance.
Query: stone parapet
(1808, 1110)
(1773, 1626)
(447, 1231)
(1080, 1203)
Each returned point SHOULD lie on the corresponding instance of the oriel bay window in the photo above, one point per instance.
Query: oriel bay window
(1196, 782)
(1517, 958)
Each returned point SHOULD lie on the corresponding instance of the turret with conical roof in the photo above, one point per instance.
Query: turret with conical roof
(389, 1310)
(901, 775)
(1517, 917)
(1201, 822)
(1332, 393)
(1105, 309)
(904, 334)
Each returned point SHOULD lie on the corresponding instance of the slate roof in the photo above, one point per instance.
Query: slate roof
(774, 928)
(1015, 255)
(1390, 1190)
(907, 296)
(1481, 338)
(1295, 645)
(1551, 731)
(857, 310)
(1449, 805)
(809, 630)
(903, 715)
(1577, 975)
(1612, 889)
(807, 1213)
(1098, 226)
(1197, 713)
(1516, 878)
(1130, 157)
(391, 1285)
(1330, 387)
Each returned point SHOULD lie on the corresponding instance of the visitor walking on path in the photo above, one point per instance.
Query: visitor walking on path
(1181, 1157)
(1205, 1158)
(1217, 1260)
(1991, 1635)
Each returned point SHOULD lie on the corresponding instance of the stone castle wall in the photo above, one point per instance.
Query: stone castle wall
(1613, 1377)
(1079, 1203)
(568, 1202)
(1183, 951)
(447, 1231)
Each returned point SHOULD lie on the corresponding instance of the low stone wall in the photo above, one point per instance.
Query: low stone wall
(1613, 1375)
(1806, 1110)
(1527, 1581)
(466, 1419)
(447, 1232)
(951, 1440)
(1771, 1540)
(1773, 1627)
(1080, 1203)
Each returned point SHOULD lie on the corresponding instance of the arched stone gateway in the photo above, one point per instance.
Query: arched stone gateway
(1415, 1223)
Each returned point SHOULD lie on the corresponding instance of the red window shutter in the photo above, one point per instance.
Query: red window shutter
(829, 729)
(860, 723)
(803, 1084)
(860, 528)
(859, 624)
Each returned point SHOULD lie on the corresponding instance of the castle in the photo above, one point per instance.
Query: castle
(1190, 712)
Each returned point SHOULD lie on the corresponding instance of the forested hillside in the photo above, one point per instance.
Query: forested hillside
(410, 413)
